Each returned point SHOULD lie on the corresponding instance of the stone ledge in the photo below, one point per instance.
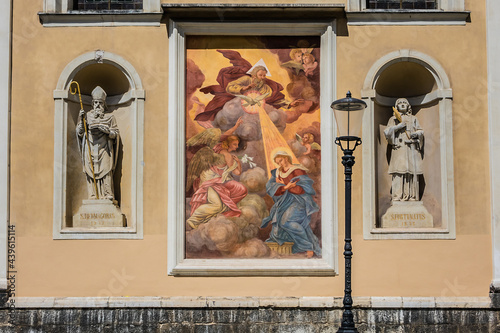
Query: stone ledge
(419, 302)
(102, 19)
(280, 302)
(408, 17)
(252, 302)
(463, 302)
(134, 302)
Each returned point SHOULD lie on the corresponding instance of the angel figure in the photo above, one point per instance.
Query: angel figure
(296, 62)
(310, 64)
(307, 141)
(210, 174)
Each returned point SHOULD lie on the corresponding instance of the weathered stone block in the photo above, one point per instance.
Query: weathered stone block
(388, 317)
(495, 300)
(95, 317)
(213, 328)
(485, 328)
(362, 328)
(327, 328)
(313, 316)
(359, 316)
(257, 328)
(154, 316)
(247, 315)
(55, 329)
(334, 317)
(434, 317)
(392, 328)
(176, 328)
(129, 316)
(444, 328)
(287, 316)
(203, 316)
(182, 315)
(468, 318)
(27, 317)
(130, 329)
(293, 328)
(225, 316)
(262, 315)
(68, 317)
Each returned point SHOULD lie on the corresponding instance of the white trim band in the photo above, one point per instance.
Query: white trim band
(252, 302)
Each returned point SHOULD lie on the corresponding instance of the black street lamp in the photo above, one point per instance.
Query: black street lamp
(348, 115)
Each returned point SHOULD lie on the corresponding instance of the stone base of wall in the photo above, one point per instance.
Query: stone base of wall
(240, 320)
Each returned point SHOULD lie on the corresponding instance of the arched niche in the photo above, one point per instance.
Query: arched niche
(125, 100)
(422, 80)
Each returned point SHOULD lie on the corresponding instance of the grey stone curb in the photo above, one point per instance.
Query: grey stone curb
(251, 302)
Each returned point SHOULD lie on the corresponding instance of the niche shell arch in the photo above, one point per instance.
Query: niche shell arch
(129, 107)
(441, 96)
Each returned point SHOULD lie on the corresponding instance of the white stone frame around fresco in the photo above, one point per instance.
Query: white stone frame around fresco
(177, 263)
(443, 95)
(135, 96)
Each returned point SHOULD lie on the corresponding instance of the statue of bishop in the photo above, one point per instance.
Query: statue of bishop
(98, 145)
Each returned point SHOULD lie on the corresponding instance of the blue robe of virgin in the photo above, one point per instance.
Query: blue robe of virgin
(291, 214)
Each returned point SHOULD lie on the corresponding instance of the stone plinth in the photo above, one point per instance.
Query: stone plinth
(285, 248)
(407, 214)
(98, 213)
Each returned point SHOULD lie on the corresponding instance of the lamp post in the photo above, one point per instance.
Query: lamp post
(348, 115)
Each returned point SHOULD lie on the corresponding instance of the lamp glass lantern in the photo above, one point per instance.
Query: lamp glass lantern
(348, 113)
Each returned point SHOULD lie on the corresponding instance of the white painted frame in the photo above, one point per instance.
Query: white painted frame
(136, 96)
(177, 264)
(493, 49)
(443, 94)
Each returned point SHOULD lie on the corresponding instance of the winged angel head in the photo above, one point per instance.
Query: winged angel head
(210, 174)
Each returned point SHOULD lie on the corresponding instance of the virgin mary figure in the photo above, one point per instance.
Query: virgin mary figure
(291, 189)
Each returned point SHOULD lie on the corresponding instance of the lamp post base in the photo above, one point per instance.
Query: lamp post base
(348, 325)
(347, 330)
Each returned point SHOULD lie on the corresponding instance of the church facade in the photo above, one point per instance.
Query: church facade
(173, 167)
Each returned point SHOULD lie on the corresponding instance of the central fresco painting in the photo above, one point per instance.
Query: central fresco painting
(253, 147)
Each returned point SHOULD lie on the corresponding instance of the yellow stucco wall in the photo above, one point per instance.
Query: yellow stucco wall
(48, 267)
